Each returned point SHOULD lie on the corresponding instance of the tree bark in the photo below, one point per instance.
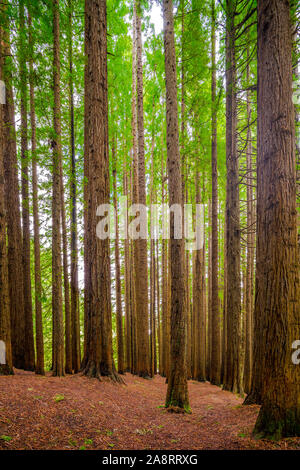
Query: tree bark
(39, 367)
(29, 359)
(250, 251)
(232, 380)
(57, 308)
(135, 196)
(128, 304)
(99, 359)
(277, 260)
(177, 393)
(13, 213)
(5, 326)
(75, 319)
(215, 366)
(141, 269)
(119, 314)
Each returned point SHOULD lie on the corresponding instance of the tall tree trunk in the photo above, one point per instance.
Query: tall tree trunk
(6, 367)
(177, 393)
(250, 251)
(183, 177)
(202, 351)
(141, 269)
(215, 366)
(209, 298)
(99, 358)
(135, 195)
(232, 381)
(119, 315)
(57, 308)
(199, 324)
(164, 280)
(39, 367)
(75, 319)
(224, 331)
(68, 340)
(13, 213)
(277, 263)
(29, 339)
(128, 304)
(159, 328)
(153, 352)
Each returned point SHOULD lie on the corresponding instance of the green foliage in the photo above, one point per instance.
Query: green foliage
(6, 438)
(59, 397)
(193, 52)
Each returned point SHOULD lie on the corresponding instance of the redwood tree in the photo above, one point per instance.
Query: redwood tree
(215, 366)
(57, 308)
(12, 203)
(232, 380)
(98, 359)
(277, 262)
(5, 327)
(177, 393)
(29, 359)
(141, 268)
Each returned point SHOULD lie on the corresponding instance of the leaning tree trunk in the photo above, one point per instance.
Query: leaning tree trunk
(57, 308)
(177, 393)
(277, 263)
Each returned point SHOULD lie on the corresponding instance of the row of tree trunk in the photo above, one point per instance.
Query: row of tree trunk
(178, 341)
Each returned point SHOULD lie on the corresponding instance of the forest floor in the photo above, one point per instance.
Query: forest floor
(75, 412)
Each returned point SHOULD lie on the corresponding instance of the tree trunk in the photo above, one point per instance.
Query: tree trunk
(177, 393)
(250, 251)
(29, 339)
(215, 366)
(6, 368)
(277, 263)
(13, 214)
(75, 319)
(128, 304)
(141, 269)
(39, 367)
(99, 358)
(57, 308)
(135, 195)
(232, 381)
(209, 299)
(119, 315)
(159, 329)
(164, 280)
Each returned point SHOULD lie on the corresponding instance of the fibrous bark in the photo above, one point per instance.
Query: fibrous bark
(277, 260)
(177, 393)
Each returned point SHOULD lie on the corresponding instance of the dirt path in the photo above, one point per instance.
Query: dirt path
(75, 412)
